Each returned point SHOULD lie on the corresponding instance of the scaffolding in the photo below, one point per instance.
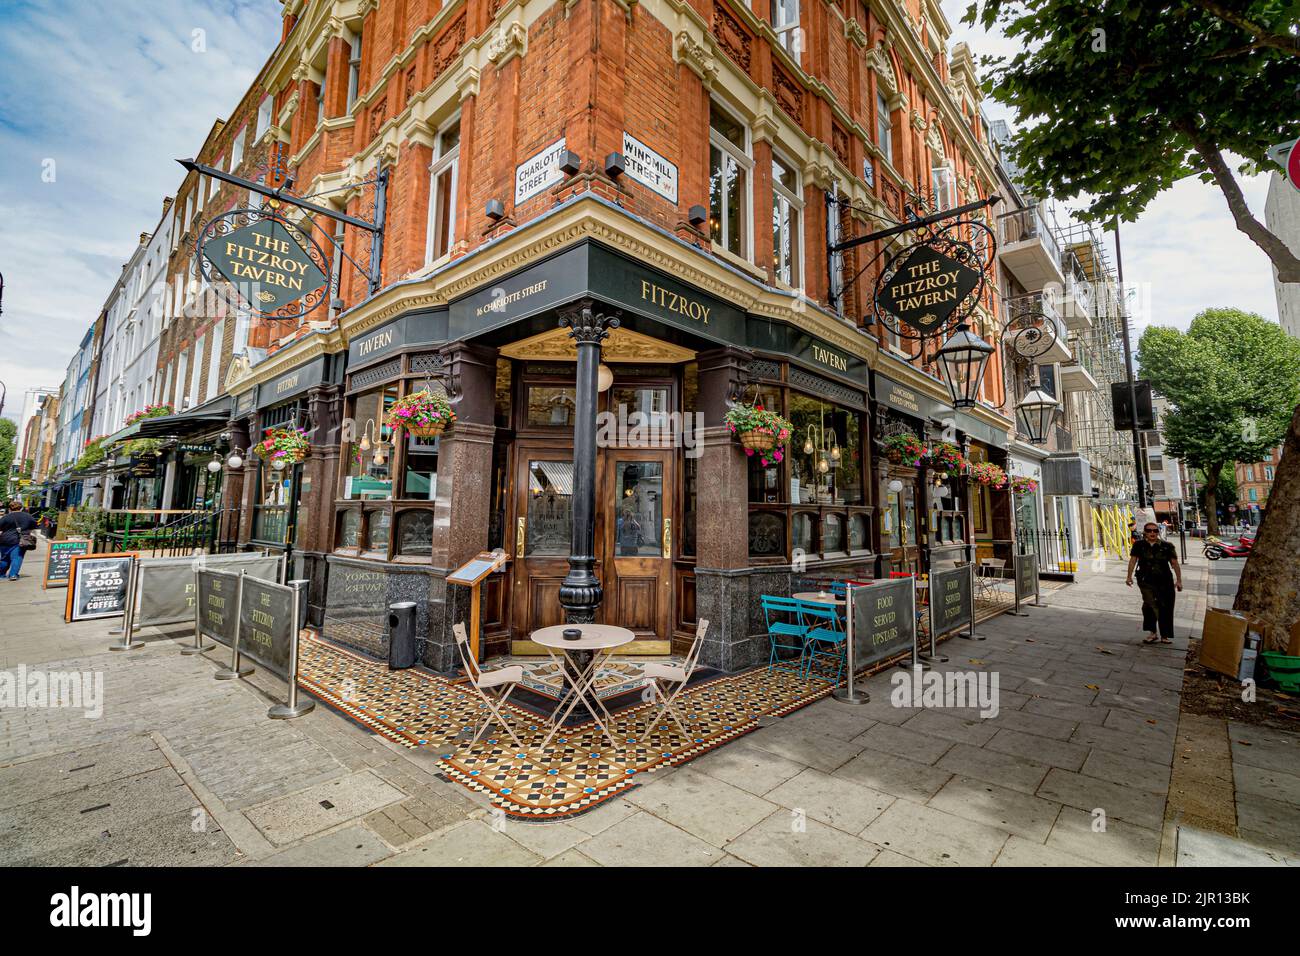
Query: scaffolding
(1100, 349)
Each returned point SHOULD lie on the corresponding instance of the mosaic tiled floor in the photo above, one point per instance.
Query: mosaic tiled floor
(578, 769)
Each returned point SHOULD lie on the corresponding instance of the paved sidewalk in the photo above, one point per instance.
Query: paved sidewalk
(1074, 769)
(185, 769)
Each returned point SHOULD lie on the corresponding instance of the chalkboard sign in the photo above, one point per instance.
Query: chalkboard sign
(268, 625)
(1026, 570)
(951, 601)
(884, 620)
(97, 586)
(218, 605)
(58, 561)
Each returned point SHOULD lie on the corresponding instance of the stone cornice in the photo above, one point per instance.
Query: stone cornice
(587, 218)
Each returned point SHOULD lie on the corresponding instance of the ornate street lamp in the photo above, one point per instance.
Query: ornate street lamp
(1035, 413)
(962, 360)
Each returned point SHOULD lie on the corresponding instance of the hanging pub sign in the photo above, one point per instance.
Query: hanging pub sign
(926, 288)
(271, 265)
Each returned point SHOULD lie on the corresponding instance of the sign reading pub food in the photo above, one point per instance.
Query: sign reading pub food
(275, 268)
(98, 586)
(926, 288)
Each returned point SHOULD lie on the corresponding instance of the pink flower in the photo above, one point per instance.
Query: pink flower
(749, 452)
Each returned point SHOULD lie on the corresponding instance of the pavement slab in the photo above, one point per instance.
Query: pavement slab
(934, 837)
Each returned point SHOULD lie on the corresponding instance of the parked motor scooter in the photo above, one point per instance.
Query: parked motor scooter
(1216, 549)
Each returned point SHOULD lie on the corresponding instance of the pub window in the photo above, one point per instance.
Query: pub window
(825, 454)
(644, 407)
(551, 406)
(943, 188)
(787, 210)
(442, 191)
(271, 512)
(237, 149)
(421, 478)
(729, 169)
(263, 117)
(369, 473)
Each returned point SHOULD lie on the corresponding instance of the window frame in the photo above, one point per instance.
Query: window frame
(794, 202)
(787, 29)
(445, 160)
(744, 160)
(884, 127)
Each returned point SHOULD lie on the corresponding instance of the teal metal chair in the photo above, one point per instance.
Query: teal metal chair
(783, 633)
(826, 639)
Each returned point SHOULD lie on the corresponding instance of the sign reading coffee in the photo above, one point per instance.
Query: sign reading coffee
(98, 586)
(270, 262)
(926, 288)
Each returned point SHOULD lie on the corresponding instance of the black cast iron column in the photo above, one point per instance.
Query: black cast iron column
(581, 593)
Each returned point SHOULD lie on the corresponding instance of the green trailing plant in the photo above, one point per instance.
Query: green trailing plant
(905, 449)
(138, 447)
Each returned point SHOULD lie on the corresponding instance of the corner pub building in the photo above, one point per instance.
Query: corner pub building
(554, 165)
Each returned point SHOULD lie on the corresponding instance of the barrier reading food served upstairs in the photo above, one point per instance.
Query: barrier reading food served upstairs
(258, 620)
(952, 605)
(881, 625)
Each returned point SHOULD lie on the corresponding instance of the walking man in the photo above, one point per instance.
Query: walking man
(1158, 576)
(15, 531)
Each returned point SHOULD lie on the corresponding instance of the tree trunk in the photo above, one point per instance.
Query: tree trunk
(1211, 506)
(1270, 582)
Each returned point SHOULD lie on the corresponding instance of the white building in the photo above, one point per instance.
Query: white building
(134, 320)
(1282, 216)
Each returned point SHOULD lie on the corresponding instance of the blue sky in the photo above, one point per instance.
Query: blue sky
(114, 92)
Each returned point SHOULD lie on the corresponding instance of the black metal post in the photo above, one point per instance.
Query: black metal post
(377, 235)
(1128, 376)
(581, 593)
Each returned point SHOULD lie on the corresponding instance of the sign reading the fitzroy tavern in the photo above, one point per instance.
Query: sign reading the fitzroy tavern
(271, 262)
(926, 288)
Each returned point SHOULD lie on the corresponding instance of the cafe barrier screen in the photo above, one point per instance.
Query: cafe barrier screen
(1025, 567)
(952, 602)
(881, 624)
(165, 586)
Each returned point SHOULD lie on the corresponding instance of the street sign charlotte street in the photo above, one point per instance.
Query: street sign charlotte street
(1287, 156)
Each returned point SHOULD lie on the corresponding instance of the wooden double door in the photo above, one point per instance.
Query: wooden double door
(634, 542)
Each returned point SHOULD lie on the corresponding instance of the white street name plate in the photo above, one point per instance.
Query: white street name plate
(538, 172)
(649, 168)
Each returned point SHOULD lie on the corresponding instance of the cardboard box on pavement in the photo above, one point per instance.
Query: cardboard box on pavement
(1222, 640)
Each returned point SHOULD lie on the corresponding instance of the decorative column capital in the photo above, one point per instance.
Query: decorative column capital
(587, 323)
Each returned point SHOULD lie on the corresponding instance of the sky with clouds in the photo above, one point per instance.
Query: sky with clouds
(113, 93)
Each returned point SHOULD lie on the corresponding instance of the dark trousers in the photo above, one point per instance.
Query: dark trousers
(1158, 606)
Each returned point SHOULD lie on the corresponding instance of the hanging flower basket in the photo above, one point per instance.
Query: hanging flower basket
(759, 430)
(945, 458)
(287, 444)
(424, 414)
(987, 473)
(1023, 486)
(905, 449)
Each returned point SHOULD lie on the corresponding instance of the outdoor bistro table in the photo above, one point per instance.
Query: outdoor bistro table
(819, 597)
(599, 640)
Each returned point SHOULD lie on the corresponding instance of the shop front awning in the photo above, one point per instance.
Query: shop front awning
(192, 423)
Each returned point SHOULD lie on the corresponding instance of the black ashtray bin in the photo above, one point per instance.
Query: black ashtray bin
(571, 634)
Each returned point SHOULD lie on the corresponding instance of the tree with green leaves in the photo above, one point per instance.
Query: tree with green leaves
(1225, 487)
(8, 450)
(1233, 379)
(1117, 100)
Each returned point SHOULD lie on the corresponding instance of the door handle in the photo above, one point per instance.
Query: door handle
(668, 537)
(520, 527)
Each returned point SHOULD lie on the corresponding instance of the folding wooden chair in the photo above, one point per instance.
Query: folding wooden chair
(503, 677)
(658, 675)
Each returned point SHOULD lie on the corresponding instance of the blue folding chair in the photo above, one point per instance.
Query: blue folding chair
(784, 634)
(826, 639)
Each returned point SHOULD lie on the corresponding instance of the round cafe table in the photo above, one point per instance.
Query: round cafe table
(819, 597)
(598, 641)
